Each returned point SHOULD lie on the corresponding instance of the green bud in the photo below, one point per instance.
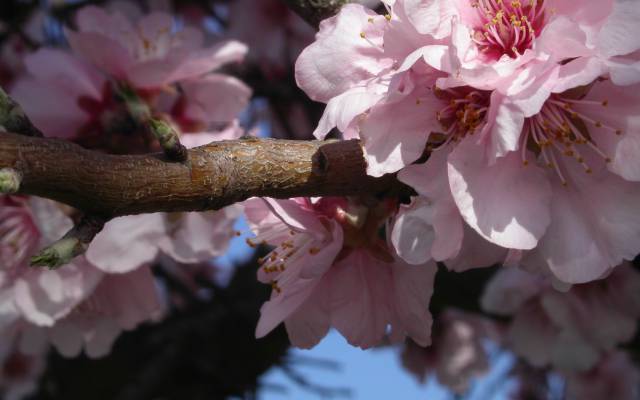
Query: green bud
(168, 139)
(10, 180)
(59, 253)
(164, 132)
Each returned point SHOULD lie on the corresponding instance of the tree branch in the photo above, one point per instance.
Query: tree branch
(217, 175)
(314, 11)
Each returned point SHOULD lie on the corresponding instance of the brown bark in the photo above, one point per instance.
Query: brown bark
(216, 175)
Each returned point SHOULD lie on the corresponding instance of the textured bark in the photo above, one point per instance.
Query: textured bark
(216, 175)
(314, 11)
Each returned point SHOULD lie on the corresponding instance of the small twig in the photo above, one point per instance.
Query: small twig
(13, 118)
(162, 130)
(168, 139)
(73, 244)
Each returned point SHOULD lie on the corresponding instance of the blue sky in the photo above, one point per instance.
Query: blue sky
(372, 374)
(375, 374)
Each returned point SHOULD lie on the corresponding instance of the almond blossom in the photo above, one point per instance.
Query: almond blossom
(149, 54)
(120, 302)
(571, 331)
(457, 354)
(615, 377)
(71, 95)
(41, 303)
(523, 100)
(19, 372)
(329, 269)
(79, 98)
(127, 243)
(275, 34)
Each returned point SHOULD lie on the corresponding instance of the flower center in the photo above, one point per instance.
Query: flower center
(289, 250)
(559, 131)
(507, 27)
(465, 111)
(360, 227)
(18, 235)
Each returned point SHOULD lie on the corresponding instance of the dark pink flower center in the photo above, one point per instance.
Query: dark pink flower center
(360, 227)
(19, 235)
(464, 114)
(17, 366)
(559, 132)
(507, 27)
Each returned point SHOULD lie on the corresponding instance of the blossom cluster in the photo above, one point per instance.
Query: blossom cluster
(515, 122)
(527, 109)
(120, 61)
(527, 114)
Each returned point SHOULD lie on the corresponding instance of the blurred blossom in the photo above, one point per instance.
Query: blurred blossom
(275, 34)
(457, 354)
(149, 54)
(74, 307)
(19, 372)
(570, 331)
(79, 96)
(127, 243)
(615, 377)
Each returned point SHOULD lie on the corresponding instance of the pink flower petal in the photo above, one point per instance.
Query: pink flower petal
(340, 58)
(597, 234)
(292, 214)
(620, 34)
(391, 143)
(431, 17)
(127, 243)
(215, 98)
(506, 203)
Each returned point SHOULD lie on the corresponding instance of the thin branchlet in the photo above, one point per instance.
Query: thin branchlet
(166, 134)
(169, 139)
(74, 243)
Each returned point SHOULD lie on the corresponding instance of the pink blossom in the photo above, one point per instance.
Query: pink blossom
(432, 228)
(518, 47)
(393, 82)
(70, 97)
(119, 303)
(151, 53)
(513, 93)
(274, 33)
(214, 98)
(615, 377)
(589, 153)
(39, 296)
(579, 142)
(330, 269)
(77, 305)
(127, 243)
(64, 94)
(570, 331)
(457, 354)
(19, 372)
